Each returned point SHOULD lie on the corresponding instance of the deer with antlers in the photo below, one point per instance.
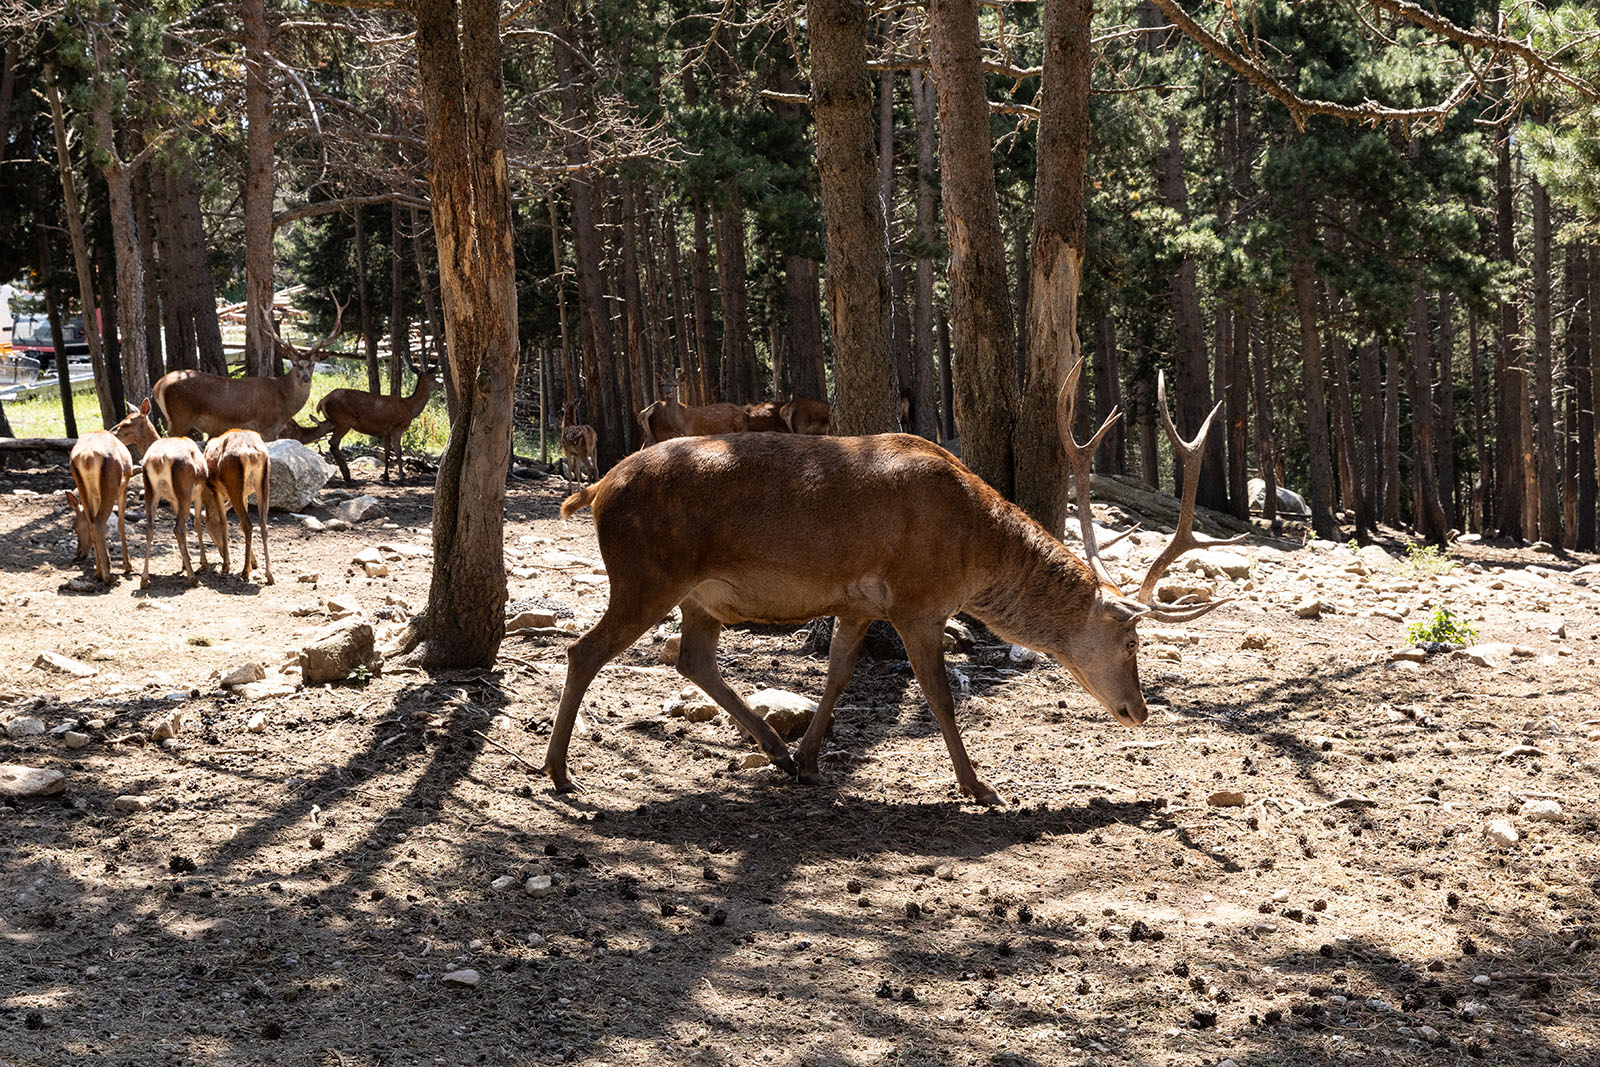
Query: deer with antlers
(212, 404)
(101, 468)
(784, 528)
(578, 444)
(385, 417)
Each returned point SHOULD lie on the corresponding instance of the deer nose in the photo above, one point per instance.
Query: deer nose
(1132, 714)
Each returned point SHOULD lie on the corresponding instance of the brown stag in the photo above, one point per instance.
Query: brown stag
(384, 417)
(212, 404)
(101, 468)
(238, 467)
(783, 528)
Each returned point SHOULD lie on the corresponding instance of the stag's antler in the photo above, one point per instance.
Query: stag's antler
(1081, 456)
(1191, 454)
(338, 322)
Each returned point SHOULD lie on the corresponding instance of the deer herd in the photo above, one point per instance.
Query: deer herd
(728, 513)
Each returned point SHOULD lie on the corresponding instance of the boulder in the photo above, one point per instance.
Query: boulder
(1291, 505)
(1543, 811)
(297, 475)
(243, 674)
(1501, 834)
(334, 653)
(54, 661)
(19, 781)
(24, 726)
(1375, 557)
(360, 509)
(787, 713)
(1217, 563)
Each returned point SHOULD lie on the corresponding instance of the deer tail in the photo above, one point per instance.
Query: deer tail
(577, 501)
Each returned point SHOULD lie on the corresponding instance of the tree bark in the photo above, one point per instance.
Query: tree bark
(1113, 455)
(1482, 495)
(1593, 394)
(738, 348)
(1393, 497)
(1060, 227)
(260, 343)
(155, 355)
(425, 286)
(708, 359)
(1512, 518)
(367, 323)
(1370, 438)
(1445, 432)
(1261, 366)
(925, 399)
(1305, 298)
(1547, 467)
(1351, 490)
(899, 322)
(857, 258)
(464, 104)
(124, 235)
(52, 311)
(980, 302)
(1430, 519)
(399, 322)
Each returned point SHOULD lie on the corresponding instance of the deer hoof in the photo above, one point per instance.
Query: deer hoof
(786, 765)
(812, 778)
(986, 796)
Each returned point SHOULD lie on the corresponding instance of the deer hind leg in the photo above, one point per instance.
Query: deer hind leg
(924, 641)
(625, 620)
(338, 454)
(697, 661)
(151, 502)
(263, 485)
(180, 530)
(843, 651)
(122, 523)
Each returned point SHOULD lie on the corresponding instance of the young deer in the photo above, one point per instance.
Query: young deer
(578, 444)
(801, 415)
(101, 468)
(175, 471)
(783, 528)
(376, 415)
(237, 467)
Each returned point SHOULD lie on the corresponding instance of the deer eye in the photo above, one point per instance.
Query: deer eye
(1133, 644)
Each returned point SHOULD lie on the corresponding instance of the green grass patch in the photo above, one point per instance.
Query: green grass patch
(1426, 559)
(40, 416)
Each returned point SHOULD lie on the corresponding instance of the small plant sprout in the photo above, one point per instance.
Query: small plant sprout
(1444, 628)
(1427, 559)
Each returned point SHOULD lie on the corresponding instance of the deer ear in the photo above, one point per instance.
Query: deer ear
(72, 499)
(144, 408)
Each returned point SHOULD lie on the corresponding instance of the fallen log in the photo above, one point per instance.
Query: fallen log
(37, 444)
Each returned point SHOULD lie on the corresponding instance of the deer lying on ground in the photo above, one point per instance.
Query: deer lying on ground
(784, 528)
(578, 444)
(385, 417)
(237, 467)
(175, 471)
(212, 404)
(101, 468)
(805, 416)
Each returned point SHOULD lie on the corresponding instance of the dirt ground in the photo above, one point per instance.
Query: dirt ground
(296, 895)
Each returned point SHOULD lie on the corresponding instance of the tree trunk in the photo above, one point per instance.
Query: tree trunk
(463, 101)
(1393, 497)
(1149, 461)
(53, 312)
(899, 323)
(1512, 519)
(1305, 298)
(1547, 468)
(124, 235)
(857, 259)
(399, 324)
(682, 310)
(707, 357)
(154, 348)
(1113, 455)
(429, 308)
(367, 323)
(1593, 274)
(980, 301)
(1344, 425)
(1370, 377)
(1482, 492)
(738, 348)
(1261, 360)
(1060, 225)
(925, 387)
(1445, 431)
(1430, 519)
(110, 413)
(260, 345)
(947, 387)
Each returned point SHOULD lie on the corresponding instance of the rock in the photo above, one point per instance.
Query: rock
(1375, 557)
(1257, 638)
(1427, 1033)
(168, 727)
(264, 690)
(257, 723)
(538, 886)
(83, 583)
(1173, 590)
(1226, 798)
(359, 509)
(1519, 751)
(1408, 655)
(1309, 608)
(343, 607)
(505, 881)
(1171, 637)
(465, 977)
(368, 555)
(376, 570)
(669, 650)
(1501, 834)
(73, 739)
(19, 781)
(526, 619)
(1024, 657)
(1217, 563)
(242, 675)
(752, 760)
(310, 522)
(1542, 811)
(1291, 505)
(1492, 654)
(54, 661)
(24, 726)
(787, 713)
(700, 711)
(296, 475)
(129, 803)
(334, 653)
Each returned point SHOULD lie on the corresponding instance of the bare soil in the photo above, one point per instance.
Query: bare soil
(297, 895)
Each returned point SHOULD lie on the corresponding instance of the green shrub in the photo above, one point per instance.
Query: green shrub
(1427, 559)
(1446, 628)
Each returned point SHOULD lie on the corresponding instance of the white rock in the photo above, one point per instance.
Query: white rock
(24, 726)
(466, 977)
(1218, 563)
(1173, 590)
(1542, 811)
(538, 887)
(54, 661)
(524, 620)
(1309, 608)
(19, 781)
(242, 675)
(1375, 557)
(505, 881)
(73, 739)
(296, 475)
(359, 509)
(1428, 1033)
(1408, 655)
(277, 686)
(1256, 638)
(368, 555)
(343, 607)
(257, 723)
(131, 803)
(1501, 834)
(376, 570)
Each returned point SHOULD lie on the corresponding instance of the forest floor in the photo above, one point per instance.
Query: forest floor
(297, 894)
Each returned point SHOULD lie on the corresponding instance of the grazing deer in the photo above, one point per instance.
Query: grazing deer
(783, 528)
(175, 471)
(101, 468)
(764, 418)
(805, 416)
(306, 435)
(212, 404)
(578, 444)
(237, 467)
(654, 425)
(384, 417)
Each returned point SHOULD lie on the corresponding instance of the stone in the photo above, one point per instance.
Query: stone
(1217, 563)
(1309, 608)
(1408, 655)
(129, 803)
(257, 723)
(538, 886)
(1024, 657)
(266, 689)
(465, 977)
(335, 652)
(73, 739)
(702, 710)
(752, 760)
(83, 583)
(376, 570)
(168, 727)
(1542, 810)
(54, 661)
(527, 619)
(505, 881)
(1173, 590)
(24, 726)
(1491, 654)
(787, 713)
(310, 522)
(1291, 505)
(1226, 798)
(669, 650)
(296, 475)
(1501, 834)
(1256, 638)
(242, 675)
(19, 781)
(368, 555)
(343, 607)
(1375, 557)
(359, 509)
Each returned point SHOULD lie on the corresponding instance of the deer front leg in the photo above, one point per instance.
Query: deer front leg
(697, 661)
(338, 454)
(150, 503)
(180, 530)
(843, 651)
(261, 519)
(122, 525)
(924, 641)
